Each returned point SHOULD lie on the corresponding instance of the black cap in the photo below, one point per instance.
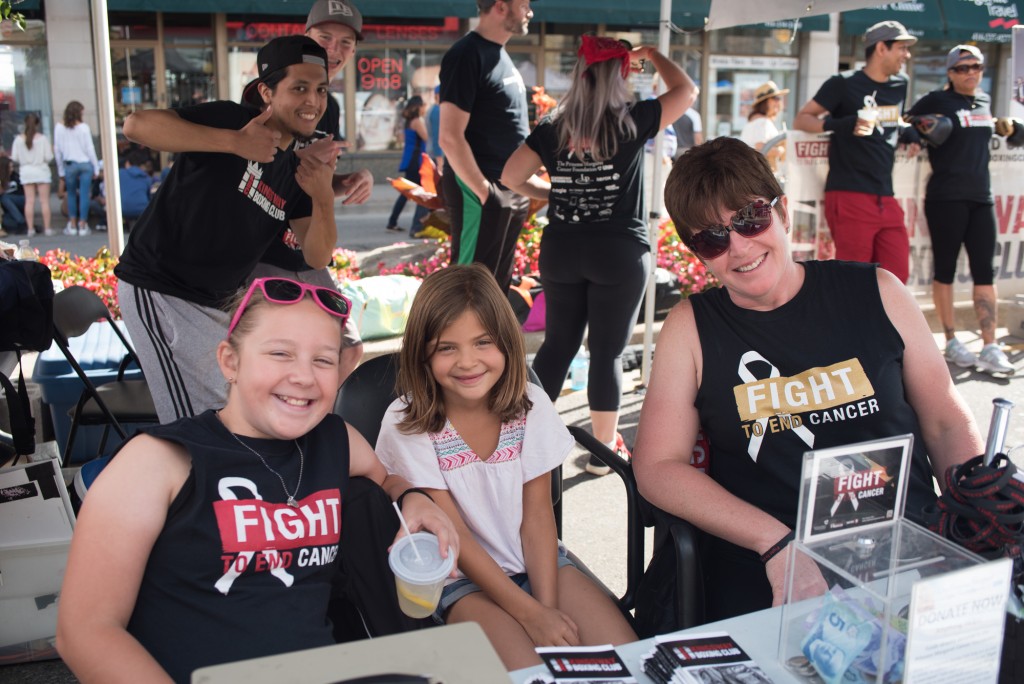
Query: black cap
(281, 53)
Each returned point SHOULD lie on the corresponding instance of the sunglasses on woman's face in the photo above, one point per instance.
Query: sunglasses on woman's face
(286, 291)
(750, 221)
(966, 68)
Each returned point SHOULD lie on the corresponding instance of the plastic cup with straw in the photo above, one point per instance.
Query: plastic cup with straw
(419, 569)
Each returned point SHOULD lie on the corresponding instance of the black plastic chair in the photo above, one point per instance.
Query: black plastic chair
(370, 389)
(110, 405)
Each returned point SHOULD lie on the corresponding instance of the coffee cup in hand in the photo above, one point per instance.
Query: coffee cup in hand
(867, 119)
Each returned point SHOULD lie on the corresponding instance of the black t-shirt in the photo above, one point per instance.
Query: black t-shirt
(212, 217)
(960, 165)
(478, 77)
(236, 572)
(285, 252)
(862, 163)
(587, 196)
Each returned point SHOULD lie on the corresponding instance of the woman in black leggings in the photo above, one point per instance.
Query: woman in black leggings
(959, 206)
(595, 254)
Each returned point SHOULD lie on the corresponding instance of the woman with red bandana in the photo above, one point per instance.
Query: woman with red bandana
(595, 255)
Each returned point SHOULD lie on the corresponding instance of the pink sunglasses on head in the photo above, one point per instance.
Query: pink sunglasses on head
(287, 291)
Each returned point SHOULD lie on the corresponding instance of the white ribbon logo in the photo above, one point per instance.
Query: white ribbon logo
(223, 585)
(757, 436)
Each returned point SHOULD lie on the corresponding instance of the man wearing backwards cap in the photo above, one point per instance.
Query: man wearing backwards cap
(236, 183)
(337, 26)
(866, 222)
(483, 121)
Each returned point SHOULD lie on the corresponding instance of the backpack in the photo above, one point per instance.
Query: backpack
(26, 324)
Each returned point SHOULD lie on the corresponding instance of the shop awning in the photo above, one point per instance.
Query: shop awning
(991, 22)
(370, 8)
(954, 20)
(686, 14)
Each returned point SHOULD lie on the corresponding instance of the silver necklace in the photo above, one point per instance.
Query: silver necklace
(302, 459)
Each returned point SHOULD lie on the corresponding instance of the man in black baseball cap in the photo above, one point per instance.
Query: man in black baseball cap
(235, 185)
(337, 27)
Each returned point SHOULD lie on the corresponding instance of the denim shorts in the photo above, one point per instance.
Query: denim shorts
(464, 587)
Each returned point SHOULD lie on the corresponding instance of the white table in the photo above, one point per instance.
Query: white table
(455, 654)
(756, 633)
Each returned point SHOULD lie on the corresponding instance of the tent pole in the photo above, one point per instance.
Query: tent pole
(654, 213)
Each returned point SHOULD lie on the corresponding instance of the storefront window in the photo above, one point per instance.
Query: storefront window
(134, 79)
(188, 75)
(754, 41)
(132, 26)
(386, 78)
(24, 81)
(730, 91)
(189, 29)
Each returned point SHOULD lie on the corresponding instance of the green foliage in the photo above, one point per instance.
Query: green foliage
(7, 13)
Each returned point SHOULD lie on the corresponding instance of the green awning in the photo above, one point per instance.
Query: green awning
(923, 18)
(991, 22)
(369, 8)
(686, 14)
(952, 20)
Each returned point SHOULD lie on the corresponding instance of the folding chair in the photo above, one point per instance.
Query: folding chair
(110, 405)
(370, 389)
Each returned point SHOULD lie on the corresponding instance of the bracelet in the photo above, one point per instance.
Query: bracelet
(411, 490)
(777, 547)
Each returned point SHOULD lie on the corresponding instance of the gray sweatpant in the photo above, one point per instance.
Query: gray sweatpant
(177, 345)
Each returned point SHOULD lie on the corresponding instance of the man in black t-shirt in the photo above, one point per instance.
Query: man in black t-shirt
(337, 26)
(483, 121)
(863, 110)
(236, 183)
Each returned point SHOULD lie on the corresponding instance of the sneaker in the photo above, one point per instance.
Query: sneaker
(960, 355)
(70, 229)
(49, 232)
(101, 228)
(993, 360)
(83, 230)
(596, 466)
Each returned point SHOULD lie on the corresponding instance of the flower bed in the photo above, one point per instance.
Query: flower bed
(97, 273)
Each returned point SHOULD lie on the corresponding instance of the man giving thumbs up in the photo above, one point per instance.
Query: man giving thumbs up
(236, 184)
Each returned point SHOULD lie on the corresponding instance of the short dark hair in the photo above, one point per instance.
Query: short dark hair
(137, 157)
(724, 173)
(870, 49)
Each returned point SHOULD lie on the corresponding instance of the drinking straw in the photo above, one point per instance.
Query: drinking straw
(405, 526)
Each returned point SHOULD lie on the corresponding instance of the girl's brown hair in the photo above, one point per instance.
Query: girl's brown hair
(73, 114)
(443, 297)
(31, 128)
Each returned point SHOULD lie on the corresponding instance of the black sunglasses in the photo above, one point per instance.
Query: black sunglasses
(750, 221)
(967, 68)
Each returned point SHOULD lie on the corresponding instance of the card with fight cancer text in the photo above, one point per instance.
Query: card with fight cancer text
(584, 665)
(859, 486)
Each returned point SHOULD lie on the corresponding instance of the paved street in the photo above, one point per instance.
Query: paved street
(594, 509)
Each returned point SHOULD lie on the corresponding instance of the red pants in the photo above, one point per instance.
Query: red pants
(869, 228)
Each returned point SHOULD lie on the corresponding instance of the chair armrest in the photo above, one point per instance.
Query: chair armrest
(634, 511)
(686, 542)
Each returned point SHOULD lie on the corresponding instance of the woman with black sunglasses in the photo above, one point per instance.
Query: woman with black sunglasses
(594, 254)
(958, 203)
(782, 358)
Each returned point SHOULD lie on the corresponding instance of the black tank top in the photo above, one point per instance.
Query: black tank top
(236, 572)
(835, 364)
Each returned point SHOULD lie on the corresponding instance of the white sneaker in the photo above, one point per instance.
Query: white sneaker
(70, 229)
(957, 353)
(83, 230)
(993, 360)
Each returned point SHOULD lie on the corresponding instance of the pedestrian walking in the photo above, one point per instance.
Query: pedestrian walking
(77, 166)
(415, 140)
